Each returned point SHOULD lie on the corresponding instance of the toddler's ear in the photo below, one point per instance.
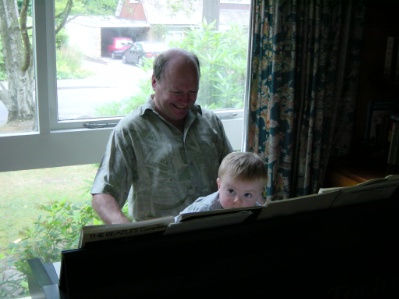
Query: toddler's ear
(218, 182)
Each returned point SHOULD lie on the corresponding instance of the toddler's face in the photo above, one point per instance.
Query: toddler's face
(239, 194)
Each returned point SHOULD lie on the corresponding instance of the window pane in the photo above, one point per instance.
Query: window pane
(17, 84)
(104, 61)
(42, 211)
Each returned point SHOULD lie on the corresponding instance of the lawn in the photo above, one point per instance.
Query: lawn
(22, 191)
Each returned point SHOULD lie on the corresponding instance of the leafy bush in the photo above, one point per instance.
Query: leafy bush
(223, 56)
(61, 39)
(49, 235)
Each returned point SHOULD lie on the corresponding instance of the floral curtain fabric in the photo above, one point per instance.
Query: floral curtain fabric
(304, 71)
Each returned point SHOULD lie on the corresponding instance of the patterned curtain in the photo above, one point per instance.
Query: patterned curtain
(302, 93)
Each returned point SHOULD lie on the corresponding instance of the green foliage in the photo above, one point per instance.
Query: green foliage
(47, 237)
(56, 230)
(159, 30)
(67, 68)
(61, 39)
(90, 7)
(185, 6)
(19, 4)
(69, 61)
(223, 57)
(69, 64)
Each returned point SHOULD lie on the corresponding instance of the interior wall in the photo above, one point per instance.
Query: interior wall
(381, 21)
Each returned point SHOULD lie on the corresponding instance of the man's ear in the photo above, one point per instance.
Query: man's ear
(153, 82)
(218, 182)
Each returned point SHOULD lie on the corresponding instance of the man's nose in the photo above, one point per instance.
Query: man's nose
(184, 97)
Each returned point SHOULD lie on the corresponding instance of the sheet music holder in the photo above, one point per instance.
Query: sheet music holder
(92, 235)
(209, 219)
(298, 204)
(373, 189)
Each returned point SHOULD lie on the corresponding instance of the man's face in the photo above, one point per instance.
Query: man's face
(177, 90)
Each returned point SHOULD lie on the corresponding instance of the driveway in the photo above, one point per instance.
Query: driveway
(112, 81)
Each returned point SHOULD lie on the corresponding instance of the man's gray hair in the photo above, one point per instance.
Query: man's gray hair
(163, 58)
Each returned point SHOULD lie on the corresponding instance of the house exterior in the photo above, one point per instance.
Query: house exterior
(92, 34)
(166, 25)
(150, 20)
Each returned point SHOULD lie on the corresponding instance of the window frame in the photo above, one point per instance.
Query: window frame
(65, 143)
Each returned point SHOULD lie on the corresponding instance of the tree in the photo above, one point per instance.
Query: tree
(223, 64)
(15, 36)
(17, 53)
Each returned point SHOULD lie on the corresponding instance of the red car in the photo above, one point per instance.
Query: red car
(118, 46)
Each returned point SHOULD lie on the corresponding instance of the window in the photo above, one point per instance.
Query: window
(74, 114)
(82, 86)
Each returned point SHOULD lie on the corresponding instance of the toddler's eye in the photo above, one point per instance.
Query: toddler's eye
(247, 195)
(230, 191)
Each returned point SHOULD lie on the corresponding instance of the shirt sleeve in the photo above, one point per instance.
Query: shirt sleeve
(114, 173)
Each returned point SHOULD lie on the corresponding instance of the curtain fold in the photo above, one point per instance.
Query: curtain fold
(304, 72)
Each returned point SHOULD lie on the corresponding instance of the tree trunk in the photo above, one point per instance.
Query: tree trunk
(18, 95)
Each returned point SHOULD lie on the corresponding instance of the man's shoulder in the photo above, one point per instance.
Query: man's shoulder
(205, 113)
(135, 116)
(200, 110)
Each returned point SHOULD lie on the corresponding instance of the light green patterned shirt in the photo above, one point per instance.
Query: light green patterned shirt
(167, 169)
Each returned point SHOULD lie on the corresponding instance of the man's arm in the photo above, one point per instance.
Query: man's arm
(108, 209)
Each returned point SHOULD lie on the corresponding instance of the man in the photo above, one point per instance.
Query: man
(166, 153)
